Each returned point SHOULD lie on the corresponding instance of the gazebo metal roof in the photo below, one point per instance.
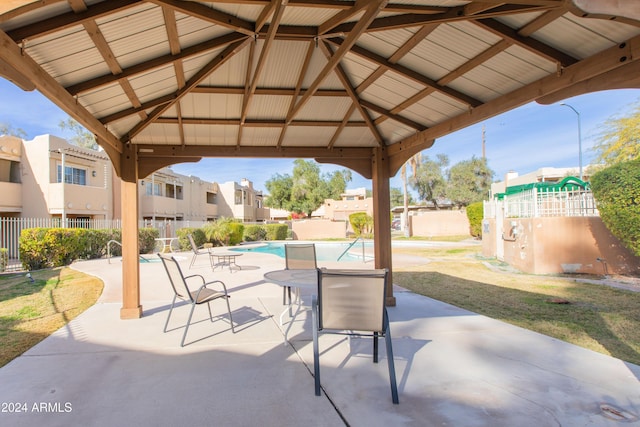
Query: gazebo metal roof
(363, 84)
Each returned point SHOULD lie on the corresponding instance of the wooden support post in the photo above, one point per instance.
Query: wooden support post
(382, 217)
(131, 308)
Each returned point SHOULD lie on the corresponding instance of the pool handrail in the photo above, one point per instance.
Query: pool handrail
(352, 245)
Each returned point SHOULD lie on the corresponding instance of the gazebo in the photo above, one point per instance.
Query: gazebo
(362, 84)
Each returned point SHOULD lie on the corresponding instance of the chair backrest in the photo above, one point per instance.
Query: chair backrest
(352, 299)
(194, 247)
(300, 256)
(176, 277)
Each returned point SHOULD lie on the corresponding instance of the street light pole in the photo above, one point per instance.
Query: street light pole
(579, 138)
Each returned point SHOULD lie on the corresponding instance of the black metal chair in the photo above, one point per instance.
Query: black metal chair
(181, 290)
(350, 302)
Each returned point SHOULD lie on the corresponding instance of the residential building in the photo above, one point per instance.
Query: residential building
(50, 178)
(351, 201)
(10, 176)
(242, 201)
(167, 195)
(65, 181)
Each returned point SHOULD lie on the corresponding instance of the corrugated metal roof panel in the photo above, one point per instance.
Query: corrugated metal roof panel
(283, 65)
(324, 108)
(227, 74)
(570, 36)
(192, 30)
(208, 106)
(268, 107)
(308, 136)
(356, 137)
(156, 83)
(385, 43)
(260, 137)
(317, 63)
(390, 90)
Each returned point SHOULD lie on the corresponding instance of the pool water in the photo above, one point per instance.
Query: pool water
(324, 251)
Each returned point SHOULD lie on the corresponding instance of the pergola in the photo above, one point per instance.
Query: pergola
(362, 84)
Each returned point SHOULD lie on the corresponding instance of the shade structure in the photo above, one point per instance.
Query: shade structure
(362, 84)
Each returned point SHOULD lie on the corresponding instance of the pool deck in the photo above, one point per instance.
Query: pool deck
(454, 367)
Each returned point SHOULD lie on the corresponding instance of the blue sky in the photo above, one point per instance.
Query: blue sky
(522, 140)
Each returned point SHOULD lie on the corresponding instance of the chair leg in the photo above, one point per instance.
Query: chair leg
(392, 369)
(375, 347)
(230, 318)
(193, 306)
(210, 314)
(193, 260)
(166, 324)
(316, 353)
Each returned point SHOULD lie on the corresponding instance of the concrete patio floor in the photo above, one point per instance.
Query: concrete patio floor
(454, 367)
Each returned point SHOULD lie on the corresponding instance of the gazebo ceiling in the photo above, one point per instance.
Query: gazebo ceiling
(330, 79)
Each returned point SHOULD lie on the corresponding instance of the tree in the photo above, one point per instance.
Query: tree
(429, 179)
(469, 181)
(307, 189)
(397, 197)
(7, 129)
(279, 188)
(82, 137)
(620, 139)
(617, 192)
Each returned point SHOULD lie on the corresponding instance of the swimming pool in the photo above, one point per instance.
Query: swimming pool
(325, 251)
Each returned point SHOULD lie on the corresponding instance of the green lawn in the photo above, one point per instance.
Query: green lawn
(31, 311)
(595, 316)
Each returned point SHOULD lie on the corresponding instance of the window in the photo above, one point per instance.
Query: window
(72, 175)
(153, 189)
(238, 197)
(211, 198)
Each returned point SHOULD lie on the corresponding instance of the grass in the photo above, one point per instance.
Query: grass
(31, 311)
(596, 317)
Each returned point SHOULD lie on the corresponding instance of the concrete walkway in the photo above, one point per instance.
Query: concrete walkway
(454, 367)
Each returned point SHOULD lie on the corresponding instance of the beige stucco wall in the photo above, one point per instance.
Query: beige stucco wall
(559, 245)
(318, 229)
(439, 223)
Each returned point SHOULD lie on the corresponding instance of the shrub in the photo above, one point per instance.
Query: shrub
(55, 247)
(198, 237)
(276, 231)
(475, 213)
(617, 193)
(236, 231)
(361, 223)
(254, 233)
(4, 259)
(147, 239)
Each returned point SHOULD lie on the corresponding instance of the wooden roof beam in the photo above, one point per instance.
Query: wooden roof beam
(298, 89)
(409, 73)
(213, 65)
(371, 12)
(208, 14)
(14, 57)
(344, 79)
(70, 19)
(621, 55)
(532, 45)
(160, 61)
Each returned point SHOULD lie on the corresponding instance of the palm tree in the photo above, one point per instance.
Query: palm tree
(413, 162)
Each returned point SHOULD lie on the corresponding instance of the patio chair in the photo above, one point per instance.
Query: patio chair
(298, 256)
(350, 302)
(181, 290)
(195, 249)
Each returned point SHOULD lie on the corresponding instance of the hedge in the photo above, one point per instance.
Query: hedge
(56, 247)
(276, 231)
(617, 193)
(198, 237)
(475, 213)
(254, 233)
